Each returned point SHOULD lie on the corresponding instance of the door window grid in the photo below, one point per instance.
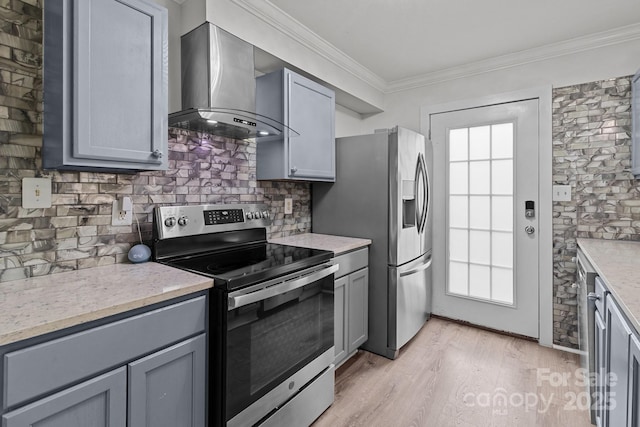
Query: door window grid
(480, 211)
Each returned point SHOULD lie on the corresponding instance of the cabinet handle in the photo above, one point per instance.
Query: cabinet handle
(157, 154)
(294, 170)
(593, 296)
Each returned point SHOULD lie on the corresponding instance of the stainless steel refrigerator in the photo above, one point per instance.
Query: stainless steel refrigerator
(382, 192)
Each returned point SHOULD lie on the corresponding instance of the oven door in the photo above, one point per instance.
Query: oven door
(274, 331)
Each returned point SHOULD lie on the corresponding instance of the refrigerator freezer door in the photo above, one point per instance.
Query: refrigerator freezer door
(408, 189)
(409, 300)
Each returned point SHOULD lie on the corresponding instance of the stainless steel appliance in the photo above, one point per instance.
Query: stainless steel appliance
(586, 282)
(382, 192)
(219, 87)
(271, 314)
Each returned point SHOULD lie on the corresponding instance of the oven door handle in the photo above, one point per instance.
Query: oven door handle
(271, 291)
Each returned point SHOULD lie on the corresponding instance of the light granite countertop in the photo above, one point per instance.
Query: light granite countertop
(35, 306)
(617, 262)
(327, 242)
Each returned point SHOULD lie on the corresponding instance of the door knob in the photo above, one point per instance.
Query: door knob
(530, 229)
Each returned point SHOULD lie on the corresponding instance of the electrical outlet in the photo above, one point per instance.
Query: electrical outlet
(122, 212)
(561, 193)
(288, 206)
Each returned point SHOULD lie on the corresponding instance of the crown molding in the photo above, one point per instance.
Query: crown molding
(568, 47)
(286, 24)
(292, 28)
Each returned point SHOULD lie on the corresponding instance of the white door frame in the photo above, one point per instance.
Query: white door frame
(545, 211)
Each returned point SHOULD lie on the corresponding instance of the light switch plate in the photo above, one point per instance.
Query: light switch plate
(288, 206)
(561, 193)
(36, 192)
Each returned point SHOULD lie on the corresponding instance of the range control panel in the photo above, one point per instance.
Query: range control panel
(223, 216)
(190, 220)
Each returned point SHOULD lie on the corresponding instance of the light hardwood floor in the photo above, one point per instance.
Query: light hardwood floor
(456, 375)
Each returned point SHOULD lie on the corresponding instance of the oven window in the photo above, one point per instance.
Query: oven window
(270, 340)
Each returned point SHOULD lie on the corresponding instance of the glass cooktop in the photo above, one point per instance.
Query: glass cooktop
(251, 264)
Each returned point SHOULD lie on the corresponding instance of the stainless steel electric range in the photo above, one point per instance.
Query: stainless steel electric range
(270, 318)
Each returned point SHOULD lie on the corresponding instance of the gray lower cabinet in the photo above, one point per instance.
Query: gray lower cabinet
(351, 304)
(155, 364)
(597, 400)
(633, 398)
(105, 85)
(358, 318)
(306, 107)
(340, 321)
(167, 388)
(617, 363)
(618, 336)
(99, 402)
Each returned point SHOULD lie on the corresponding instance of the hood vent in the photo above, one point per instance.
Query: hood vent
(219, 87)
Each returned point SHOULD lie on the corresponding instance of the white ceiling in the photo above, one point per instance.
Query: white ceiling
(399, 40)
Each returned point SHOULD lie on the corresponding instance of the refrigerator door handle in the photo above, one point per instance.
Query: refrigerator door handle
(417, 269)
(415, 192)
(421, 211)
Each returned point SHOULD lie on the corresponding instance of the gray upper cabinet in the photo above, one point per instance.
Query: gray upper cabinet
(105, 85)
(635, 125)
(309, 109)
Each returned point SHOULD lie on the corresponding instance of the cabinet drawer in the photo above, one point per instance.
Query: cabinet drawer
(351, 261)
(42, 368)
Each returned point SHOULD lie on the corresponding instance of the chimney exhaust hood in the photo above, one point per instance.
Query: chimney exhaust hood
(219, 87)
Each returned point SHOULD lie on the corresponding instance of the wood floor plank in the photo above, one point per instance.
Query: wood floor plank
(457, 375)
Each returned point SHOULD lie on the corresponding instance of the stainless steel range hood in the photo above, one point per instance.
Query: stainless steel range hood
(219, 88)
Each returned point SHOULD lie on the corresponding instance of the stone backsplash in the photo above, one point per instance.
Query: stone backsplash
(592, 153)
(76, 232)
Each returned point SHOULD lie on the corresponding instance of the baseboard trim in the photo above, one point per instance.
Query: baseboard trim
(485, 328)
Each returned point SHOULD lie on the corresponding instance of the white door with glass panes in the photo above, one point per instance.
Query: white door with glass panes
(486, 161)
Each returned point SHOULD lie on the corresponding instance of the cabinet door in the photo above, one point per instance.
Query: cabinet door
(597, 400)
(99, 402)
(633, 401)
(167, 388)
(340, 306)
(120, 64)
(358, 322)
(617, 365)
(106, 85)
(310, 109)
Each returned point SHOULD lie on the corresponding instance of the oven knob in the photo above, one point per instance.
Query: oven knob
(249, 215)
(265, 214)
(170, 222)
(183, 220)
(257, 215)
